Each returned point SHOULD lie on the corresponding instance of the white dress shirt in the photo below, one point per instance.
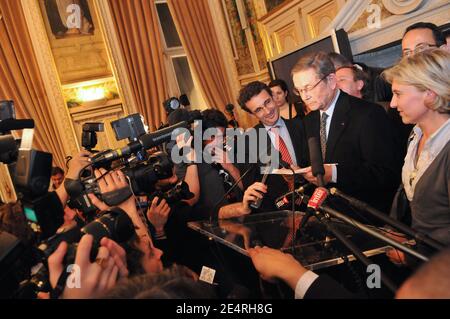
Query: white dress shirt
(284, 134)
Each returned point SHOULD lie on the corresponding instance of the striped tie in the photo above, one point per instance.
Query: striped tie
(280, 146)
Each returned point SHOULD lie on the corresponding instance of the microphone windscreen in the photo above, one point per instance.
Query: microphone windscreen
(315, 155)
(12, 124)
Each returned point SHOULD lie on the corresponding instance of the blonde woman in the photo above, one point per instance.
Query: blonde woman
(421, 94)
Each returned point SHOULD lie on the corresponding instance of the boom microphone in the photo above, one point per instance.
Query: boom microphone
(145, 141)
(12, 124)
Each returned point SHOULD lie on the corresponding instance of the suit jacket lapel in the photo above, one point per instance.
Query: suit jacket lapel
(337, 125)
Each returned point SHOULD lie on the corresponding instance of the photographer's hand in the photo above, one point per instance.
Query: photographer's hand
(76, 164)
(90, 280)
(158, 214)
(114, 181)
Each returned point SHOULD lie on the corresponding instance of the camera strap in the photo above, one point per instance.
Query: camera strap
(56, 292)
(117, 196)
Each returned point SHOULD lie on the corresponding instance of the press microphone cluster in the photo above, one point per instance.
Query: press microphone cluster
(146, 141)
(285, 200)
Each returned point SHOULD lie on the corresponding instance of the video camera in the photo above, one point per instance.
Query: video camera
(177, 193)
(142, 171)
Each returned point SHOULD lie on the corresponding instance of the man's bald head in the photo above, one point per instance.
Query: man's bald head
(431, 281)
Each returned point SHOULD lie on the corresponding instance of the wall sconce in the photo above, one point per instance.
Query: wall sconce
(91, 94)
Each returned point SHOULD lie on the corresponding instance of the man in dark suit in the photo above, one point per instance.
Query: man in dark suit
(276, 138)
(356, 138)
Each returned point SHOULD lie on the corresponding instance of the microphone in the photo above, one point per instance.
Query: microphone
(284, 200)
(317, 198)
(257, 203)
(12, 124)
(320, 193)
(112, 155)
(315, 155)
(161, 136)
(145, 141)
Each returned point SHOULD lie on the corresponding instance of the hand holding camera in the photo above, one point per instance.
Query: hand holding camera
(89, 279)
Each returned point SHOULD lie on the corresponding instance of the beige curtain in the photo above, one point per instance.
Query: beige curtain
(196, 29)
(21, 82)
(137, 27)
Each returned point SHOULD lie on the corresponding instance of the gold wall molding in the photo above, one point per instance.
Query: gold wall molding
(78, 57)
(295, 23)
(49, 74)
(392, 27)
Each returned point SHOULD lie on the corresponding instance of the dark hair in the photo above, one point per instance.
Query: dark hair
(57, 170)
(213, 118)
(177, 115)
(437, 34)
(134, 256)
(282, 84)
(176, 282)
(446, 34)
(339, 60)
(279, 82)
(249, 91)
(318, 61)
(13, 221)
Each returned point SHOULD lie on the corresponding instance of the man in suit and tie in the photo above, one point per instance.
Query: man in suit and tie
(356, 138)
(285, 139)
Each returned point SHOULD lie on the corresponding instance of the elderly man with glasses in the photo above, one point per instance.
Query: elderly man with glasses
(356, 137)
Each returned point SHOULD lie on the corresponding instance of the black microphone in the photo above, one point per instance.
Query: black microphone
(112, 155)
(257, 203)
(161, 136)
(145, 141)
(12, 124)
(165, 135)
(315, 155)
(285, 199)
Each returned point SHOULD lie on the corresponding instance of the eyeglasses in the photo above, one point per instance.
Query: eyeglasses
(266, 104)
(419, 48)
(308, 89)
